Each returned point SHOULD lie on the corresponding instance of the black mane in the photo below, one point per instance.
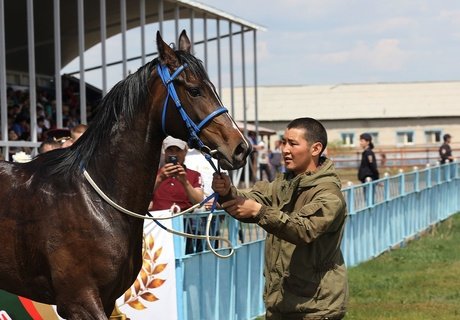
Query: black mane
(124, 100)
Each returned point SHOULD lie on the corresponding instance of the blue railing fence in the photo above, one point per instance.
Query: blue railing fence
(382, 214)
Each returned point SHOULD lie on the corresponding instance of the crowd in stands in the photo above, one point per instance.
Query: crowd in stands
(19, 116)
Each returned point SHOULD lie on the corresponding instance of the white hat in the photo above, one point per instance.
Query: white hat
(170, 141)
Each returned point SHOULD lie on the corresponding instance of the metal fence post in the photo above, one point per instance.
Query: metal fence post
(351, 197)
(402, 182)
(416, 179)
(428, 175)
(386, 182)
(369, 192)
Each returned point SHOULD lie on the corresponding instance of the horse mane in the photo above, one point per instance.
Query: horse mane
(124, 100)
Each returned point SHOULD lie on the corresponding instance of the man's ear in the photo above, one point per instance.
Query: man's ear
(316, 149)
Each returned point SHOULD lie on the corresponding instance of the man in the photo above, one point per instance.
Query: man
(276, 158)
(176, 185)
(445, 152)
(304, 213)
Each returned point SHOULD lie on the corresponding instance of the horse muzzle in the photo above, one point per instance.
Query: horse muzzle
(235, 159)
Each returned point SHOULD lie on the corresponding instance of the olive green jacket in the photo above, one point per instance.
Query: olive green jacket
(304, 215)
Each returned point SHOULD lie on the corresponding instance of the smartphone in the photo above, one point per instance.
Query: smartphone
(171, 159)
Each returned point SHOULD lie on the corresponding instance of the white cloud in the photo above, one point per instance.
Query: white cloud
(451, 16)
(386, 55)
(395, 24)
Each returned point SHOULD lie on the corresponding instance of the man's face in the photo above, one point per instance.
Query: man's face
(175, 151)
(297, 152)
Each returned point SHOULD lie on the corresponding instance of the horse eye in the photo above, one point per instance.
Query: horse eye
(194, 92)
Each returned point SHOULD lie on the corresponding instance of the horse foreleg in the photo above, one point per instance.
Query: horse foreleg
(82, 306)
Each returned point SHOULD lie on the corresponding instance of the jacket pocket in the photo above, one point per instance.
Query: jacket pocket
(300, 287)
(310, 209)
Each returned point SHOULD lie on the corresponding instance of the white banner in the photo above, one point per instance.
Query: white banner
(153, 294)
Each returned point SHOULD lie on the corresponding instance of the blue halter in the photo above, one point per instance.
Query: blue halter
(193, 128)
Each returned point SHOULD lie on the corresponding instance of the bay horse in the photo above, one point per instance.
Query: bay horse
(61, 243)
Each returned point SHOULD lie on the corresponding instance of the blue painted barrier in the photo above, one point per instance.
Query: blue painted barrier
(382, 214)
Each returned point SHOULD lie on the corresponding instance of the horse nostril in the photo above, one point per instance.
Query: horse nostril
(241, 151)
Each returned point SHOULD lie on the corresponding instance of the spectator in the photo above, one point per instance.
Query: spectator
(264, 161)
(177, 185)
(21, 127)
(383, 159)
(75, 133)
(303, 212)
(13, 136)
(445, 152)
(276, 158)
(368, 167)
(48, 145)
(252, 138)
(41, 128)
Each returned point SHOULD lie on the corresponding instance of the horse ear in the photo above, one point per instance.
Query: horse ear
(165, 53)
(184, 42)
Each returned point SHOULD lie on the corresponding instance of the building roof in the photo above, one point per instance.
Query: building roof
(350, 101)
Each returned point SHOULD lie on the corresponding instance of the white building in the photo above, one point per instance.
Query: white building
(413, 114)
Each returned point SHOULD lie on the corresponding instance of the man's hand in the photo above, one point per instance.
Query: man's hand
(171, 170)
(242, 208)
(221, 184)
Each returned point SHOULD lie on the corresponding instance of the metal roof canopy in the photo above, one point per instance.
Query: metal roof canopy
(16, 34)
(32, 43)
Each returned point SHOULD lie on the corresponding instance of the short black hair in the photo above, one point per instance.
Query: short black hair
(314, 130)
(446, 137)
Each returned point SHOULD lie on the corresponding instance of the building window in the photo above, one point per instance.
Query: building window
(433, 136)
(348, 139)
(375, 137)
(405, 137)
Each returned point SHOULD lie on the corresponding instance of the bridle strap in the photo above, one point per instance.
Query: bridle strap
(193, 129)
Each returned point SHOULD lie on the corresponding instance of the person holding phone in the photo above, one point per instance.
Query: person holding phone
(176, 185)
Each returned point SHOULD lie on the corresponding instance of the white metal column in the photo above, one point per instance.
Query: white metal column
(57, 62)
(32, 75)
(81, 53)
(3, 101)
(103, 46)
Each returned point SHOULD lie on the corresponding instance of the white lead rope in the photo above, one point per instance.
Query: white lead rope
(179, 233)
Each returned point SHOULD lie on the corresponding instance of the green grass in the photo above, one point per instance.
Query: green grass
(418, 282)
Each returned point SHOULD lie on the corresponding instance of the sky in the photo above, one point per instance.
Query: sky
(316, 42)
(352, 41)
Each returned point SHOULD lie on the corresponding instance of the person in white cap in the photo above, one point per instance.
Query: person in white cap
(175, 184)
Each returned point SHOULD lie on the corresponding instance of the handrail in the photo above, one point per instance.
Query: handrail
(387, 212)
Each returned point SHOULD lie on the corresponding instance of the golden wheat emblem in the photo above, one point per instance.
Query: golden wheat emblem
(146, 281)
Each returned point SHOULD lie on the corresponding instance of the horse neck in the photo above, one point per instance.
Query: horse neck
(126, 164)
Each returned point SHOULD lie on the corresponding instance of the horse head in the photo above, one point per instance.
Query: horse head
(193, 110)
